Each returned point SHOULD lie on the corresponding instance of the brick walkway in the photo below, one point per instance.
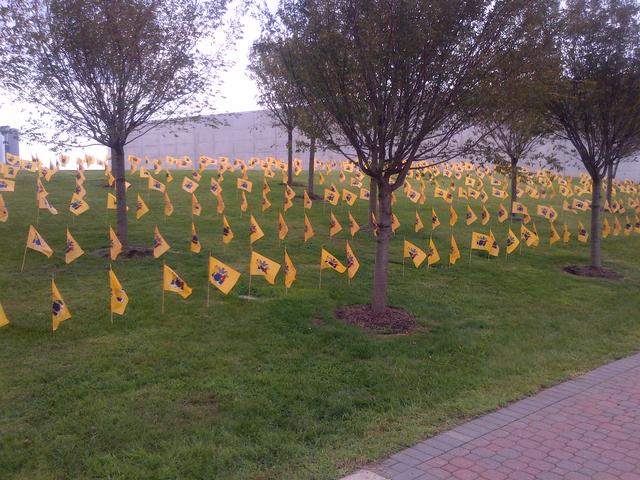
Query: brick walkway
(587, 428)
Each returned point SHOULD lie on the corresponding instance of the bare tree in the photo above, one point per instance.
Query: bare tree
(596, 102)
(108, 70)
(399, 81)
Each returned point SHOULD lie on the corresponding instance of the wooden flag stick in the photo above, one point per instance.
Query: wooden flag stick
(24, 258)
(163, 265)
(110, 293)
(470, 249)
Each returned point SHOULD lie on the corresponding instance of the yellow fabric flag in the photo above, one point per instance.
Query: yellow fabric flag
(245, 185)
(530, 238)
(512, 241)
(171, 282)
(553, 234)
(160, 246)
(244, 204)
(115, 247)
(189, 185)
(7, 185)
(266, 204)
(415, 253)
(45, 204)
(78, 206)
(261, 265)
(470, 216)
(222, 276)
(331, 196)
(479, 241)
(435, 221)
(255, 232)
(353, 225)
(283, 229)
(4, 212)
(288, 203)
(141, 208)
(119, 298)
(418, 223)
(606, 229)
(289, 192)
(352, 262)
(583, 236)
(289, 270)
(308, 228)
(156, 185)
(112, 202)
(306, 200)
(566, 234)
(617, 227)
(72, 249)
(329, 261)
(518, 207)
(227, 233)
(628, 226)
(196, 208)
(502, 214)
(349, 197)
(485, 216)
(168, 206)
(220, 204)
(536, 240)
(454, 251)
(195, 241)
(395, 223)
(453, 216)
(334, 225)
(494, 248)
(4, 320)
(433, 256)
(59, 310)
(37, 243)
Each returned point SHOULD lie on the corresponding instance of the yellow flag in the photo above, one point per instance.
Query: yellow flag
(255, 232)
(329, 261)
(415, 253)
(583, 236)
(156, 185)
(353, 225)
(168, 206)
(471, 216)
(227, 233)
(349, 197)
(494, 248)
(453, 216)
(308, 228)
(245, 185)
(352, 262)
(78, 206)
(479, 241)
(222, 276)
(306, 200)
(4, 320)
(331, 196)
(289, 271)
(261, 265)
(606, 229)
(160, 246)
(566, 234)
(266, 204)
(171, 282)
(628, 226)
(433, 256)
(189, 185)
(196, 208)
(395, 223)
(220, 204)
(37, 243)
(4, 212)
(512, 241)
(503, 214)
(485, 215)
(59, 310)
(72, 249)
(283, 229)
(334, 225)
(435, 221)
(617, 227)
(7, 185)
(553, 234)
(119, 298)
(115, 247)
(454, 251)
(112, 203)
(141, 208)
(195, 241)
(418, 223)
(530, 238)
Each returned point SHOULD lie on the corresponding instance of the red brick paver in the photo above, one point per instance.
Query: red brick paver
(587, 428)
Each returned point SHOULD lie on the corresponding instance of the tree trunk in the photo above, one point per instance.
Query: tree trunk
(596, 258)
(290, 156)
(514, 185)
(610, 176)
(373, 202)
(381, 268)
(312, 165)
(117, 165)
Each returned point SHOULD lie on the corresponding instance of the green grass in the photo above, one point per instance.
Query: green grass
(277, 388)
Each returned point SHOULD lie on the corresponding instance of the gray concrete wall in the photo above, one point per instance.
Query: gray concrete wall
(9, 142)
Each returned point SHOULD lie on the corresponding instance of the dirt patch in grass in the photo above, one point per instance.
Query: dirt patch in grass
(393, 321)
(592, 272)
(201, 406)
(133, 251)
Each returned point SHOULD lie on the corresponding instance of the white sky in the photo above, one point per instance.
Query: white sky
(238, 93)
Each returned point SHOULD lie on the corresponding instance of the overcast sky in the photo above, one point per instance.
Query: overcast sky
(238, 94)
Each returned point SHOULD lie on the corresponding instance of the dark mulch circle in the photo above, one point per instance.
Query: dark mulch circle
(393, 321)
(133, 251)
(592, 272)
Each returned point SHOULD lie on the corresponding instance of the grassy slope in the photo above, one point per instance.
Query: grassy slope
(277, 388)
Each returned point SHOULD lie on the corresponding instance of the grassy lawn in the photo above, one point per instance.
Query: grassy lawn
(277, 388)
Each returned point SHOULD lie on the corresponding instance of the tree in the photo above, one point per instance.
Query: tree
(596, 98)
(399, 80)
(275, 92)
(108, 70)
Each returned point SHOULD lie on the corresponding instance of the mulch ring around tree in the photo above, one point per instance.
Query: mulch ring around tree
(133, 251)
(592, 272)
(394, 321)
